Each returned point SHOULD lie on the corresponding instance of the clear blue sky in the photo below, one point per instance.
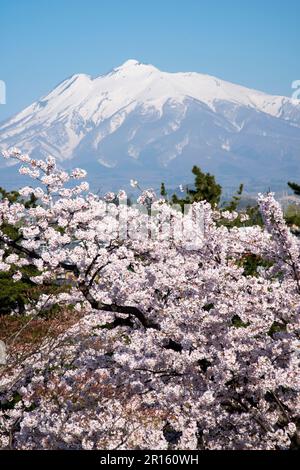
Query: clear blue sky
(251, 42)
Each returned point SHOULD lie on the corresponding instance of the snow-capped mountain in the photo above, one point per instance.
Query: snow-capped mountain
(139, 122)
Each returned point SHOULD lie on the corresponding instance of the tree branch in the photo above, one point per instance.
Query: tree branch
(34, 255)
(127, 310)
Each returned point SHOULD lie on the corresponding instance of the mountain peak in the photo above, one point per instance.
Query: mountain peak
(129, 63)
(132, 65)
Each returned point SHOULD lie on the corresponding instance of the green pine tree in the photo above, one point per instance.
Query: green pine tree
(163, 191)
(205, 189)
(234, 203)
(295, 187)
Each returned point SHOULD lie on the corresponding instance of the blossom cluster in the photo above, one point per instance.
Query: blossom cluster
(179, 346)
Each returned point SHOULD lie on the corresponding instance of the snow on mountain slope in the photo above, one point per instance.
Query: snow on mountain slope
(137, 120)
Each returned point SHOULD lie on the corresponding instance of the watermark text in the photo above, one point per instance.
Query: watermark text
(2, 92)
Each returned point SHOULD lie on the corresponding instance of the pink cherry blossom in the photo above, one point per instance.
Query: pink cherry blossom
(179, 346)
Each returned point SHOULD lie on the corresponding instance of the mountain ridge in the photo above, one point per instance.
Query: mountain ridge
(139, 121)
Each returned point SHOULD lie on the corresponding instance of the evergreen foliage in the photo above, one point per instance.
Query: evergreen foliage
(206, 189)
(295, 188)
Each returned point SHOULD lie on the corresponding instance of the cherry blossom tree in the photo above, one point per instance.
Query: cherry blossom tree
(179, 347)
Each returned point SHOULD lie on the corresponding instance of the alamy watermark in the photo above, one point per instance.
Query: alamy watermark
(2, 353)
(296, 86)
(2, 92)
(139, 222)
